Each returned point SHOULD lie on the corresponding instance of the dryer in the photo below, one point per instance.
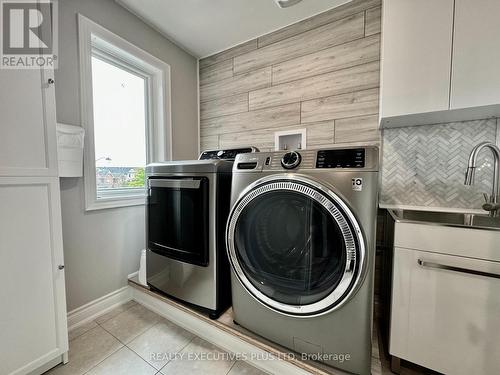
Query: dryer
(186, 213)
(301, 243)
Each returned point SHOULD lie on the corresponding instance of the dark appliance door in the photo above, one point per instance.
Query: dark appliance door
(177, 218)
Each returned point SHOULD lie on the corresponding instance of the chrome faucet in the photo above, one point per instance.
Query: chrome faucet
(491, 205)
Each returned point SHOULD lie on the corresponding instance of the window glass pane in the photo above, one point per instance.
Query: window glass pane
(119, 103)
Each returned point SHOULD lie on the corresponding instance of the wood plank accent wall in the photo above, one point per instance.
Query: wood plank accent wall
(321, 74)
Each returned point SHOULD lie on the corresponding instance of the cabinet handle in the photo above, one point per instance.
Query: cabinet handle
(61, 266)
(51, 81)
(440, 266)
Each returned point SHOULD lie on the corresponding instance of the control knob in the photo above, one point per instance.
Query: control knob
(291, 160)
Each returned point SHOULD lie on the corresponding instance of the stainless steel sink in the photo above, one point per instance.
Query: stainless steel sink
(447, 219)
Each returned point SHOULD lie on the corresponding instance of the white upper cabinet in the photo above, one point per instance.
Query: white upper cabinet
(476, 54)
(416, 56)
(439, 61)
(28, 138)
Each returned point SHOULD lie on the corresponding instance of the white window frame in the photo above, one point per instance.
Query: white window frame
(94, 39)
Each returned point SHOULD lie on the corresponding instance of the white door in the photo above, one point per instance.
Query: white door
(416, 56)
(27, 130)
(476, 54)
(33, 313)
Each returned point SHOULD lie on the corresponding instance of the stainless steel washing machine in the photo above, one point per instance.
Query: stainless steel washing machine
(301, 243)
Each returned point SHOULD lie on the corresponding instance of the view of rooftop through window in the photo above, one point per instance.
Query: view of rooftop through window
(119, 104)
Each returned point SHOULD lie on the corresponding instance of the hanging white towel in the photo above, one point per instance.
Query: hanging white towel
(70, 150)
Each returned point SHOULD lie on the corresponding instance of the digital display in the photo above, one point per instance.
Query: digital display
(344, 158)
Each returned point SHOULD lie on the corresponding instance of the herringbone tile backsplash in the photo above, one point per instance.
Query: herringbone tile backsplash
(425, 165)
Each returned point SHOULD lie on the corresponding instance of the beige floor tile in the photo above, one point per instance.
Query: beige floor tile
(87, 351)
(243, 368)
(199, 357)
(131, 323)
(116, 311)
(158, 343)
(123, 362)
(76, 332)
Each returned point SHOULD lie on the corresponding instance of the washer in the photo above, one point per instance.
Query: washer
(301, 243)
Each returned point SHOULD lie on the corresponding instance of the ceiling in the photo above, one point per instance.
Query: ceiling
(204, 27)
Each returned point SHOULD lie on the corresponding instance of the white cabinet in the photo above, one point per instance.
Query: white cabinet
(446, 320)
(27, 131)
(33, 326)
(416, 56)
(33, 314)
(445, 310)
(476, 54)
(439, 61)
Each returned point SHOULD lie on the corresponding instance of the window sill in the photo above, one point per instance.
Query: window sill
(103, 204)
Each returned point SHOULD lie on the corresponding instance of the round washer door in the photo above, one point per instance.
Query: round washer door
(295, 245)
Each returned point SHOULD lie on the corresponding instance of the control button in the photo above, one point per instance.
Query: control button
(220, 153)
(291, 160)
(268, 160)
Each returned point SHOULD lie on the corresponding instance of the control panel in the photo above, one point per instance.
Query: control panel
(365, 158)
(341, 158)
(226, 154)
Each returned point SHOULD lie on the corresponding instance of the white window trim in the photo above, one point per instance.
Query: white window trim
(159, 137)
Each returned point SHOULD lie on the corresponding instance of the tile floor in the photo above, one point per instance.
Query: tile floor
(380, 363)
(134, 340)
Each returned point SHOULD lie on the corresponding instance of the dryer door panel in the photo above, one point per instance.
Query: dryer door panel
(178, 217)
(295, 247)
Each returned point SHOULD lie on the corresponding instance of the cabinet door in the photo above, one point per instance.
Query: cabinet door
(416, 56)
(27, 131)
(446, 320)
(476, 54)
(33, 314)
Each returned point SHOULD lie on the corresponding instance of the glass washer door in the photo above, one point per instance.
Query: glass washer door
(295, 247)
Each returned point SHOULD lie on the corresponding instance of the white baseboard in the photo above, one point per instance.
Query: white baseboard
(133, 274)
(93, 309)
(221, 338)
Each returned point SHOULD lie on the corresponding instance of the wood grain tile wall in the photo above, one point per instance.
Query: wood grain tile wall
(321, 74)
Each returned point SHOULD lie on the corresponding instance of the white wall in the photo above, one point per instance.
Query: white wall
(102, 247)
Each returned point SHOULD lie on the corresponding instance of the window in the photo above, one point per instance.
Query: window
(120, 124)
(125, 112)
